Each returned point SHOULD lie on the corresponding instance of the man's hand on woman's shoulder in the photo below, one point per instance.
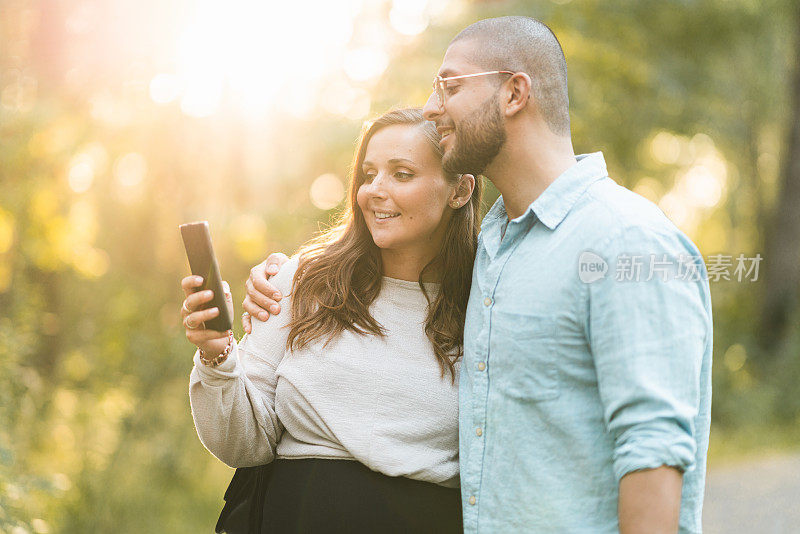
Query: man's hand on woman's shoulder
(262, 297)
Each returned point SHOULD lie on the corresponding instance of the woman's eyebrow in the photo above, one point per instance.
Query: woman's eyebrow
(395, 161)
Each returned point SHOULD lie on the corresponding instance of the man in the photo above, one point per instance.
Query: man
(585, 387)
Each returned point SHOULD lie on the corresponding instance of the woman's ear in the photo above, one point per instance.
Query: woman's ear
(463, 191)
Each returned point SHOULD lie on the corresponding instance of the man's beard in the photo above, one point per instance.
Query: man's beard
(478, 139)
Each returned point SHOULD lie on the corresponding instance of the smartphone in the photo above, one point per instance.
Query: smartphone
(203, 262)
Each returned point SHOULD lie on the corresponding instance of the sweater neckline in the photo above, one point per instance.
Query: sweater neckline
(408, 284)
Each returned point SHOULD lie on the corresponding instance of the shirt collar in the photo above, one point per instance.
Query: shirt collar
(552, 206)
(555, 202)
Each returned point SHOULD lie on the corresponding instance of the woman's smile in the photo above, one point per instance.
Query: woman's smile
(383, 217)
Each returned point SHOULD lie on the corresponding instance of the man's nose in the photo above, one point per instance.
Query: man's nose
(431, 111)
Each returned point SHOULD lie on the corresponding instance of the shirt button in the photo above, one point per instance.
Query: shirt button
(487, 302)
(481, 366)
(479, 431)
(472, 500)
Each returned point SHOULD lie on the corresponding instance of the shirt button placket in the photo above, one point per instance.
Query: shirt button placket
(482, 386)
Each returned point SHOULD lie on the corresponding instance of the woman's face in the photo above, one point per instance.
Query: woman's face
(404, 196)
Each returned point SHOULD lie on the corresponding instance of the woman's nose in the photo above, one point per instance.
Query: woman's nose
(377, 187)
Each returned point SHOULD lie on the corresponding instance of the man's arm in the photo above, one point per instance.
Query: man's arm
(650, 501)
(262, 297)
(648, 338)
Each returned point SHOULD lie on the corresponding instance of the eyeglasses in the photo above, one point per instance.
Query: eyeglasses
(439, 83)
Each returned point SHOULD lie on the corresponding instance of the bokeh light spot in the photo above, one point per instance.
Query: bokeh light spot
(91, 262)
(365, 63)
(408, 17)
(81, 173)
(650, 189)
(701, 187)
(735, 357)
(327, 191)
(61, 482)
(164, 88)
(40, 526)
(130, 169)
(665, 148)
(75, 366)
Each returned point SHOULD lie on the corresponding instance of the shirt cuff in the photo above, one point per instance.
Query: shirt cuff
(225, 371)
(653, 450)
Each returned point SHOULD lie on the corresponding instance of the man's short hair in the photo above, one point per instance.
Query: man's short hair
(524, 44)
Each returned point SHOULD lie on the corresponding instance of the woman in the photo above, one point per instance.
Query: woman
(350, 393)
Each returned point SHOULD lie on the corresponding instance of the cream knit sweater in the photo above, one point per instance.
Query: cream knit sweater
(381, 401)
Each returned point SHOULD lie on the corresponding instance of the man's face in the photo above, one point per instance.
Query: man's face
(471, 122)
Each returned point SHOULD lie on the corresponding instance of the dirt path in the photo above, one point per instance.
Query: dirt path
(760, 496)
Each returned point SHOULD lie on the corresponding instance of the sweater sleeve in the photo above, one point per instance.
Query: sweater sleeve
(233, 405)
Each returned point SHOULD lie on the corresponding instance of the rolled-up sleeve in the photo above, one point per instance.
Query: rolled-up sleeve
(648, 331)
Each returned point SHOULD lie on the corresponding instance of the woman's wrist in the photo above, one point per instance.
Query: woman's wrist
(221, 357)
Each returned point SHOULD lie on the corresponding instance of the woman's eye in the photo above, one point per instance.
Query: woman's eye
(403, 175)
(368, 177)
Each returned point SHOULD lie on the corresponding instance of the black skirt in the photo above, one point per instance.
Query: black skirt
(331, 496)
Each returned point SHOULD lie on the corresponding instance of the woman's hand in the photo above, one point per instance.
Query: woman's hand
(260, 293)
(211, 342)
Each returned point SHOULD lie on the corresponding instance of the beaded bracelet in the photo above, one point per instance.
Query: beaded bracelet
(213, 362)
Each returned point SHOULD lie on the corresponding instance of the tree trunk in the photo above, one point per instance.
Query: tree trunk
(782, 255)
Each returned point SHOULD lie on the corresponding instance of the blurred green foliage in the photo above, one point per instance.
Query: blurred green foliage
(95, 429)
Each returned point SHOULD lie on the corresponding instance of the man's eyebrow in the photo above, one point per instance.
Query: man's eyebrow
(446, 73)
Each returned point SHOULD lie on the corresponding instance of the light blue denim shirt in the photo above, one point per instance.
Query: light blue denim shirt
(587, 356)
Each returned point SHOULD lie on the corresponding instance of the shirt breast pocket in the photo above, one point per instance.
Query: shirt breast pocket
(522, 356)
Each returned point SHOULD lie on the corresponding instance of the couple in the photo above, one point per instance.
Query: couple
(408, 357)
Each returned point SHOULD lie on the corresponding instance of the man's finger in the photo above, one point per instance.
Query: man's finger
(274, 262)
(259, 298)
(265, 288)
(226, 288)
(247, 323)
(254, 309)
(258, 269)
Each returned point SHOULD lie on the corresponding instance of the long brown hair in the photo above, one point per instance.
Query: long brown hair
(339, 272)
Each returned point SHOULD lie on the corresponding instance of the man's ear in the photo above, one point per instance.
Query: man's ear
(519, 93)
(463, 191)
